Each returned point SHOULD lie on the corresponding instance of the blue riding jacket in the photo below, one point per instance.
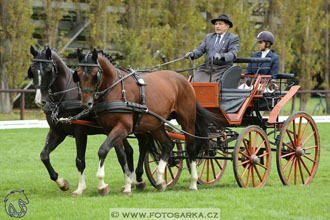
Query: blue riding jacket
(274, 65)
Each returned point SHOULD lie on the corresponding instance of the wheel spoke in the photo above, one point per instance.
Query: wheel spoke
(244, 171)
(301, 173)
(212, 165)
(299, 130)
(151, 161)
(286, 165)
(246, 147)
(295, 172)
(171, 172)
(289, 135)
(153, 172)
(289, 146)
(259, 147)
(307, 139)
(248, 177)
(294, 132)
(263, 166)
(305, 129)
(201, 172)
(291, 169)
(207, 169)
(307, 148)
(165, 174)
(309, 159)
(257, 171)
(262, 155)
(244, 154)
(247, 161)
(218, 164)
(288, 154)
(255, 142)
(253, 181)
(250, 142)
(302, 161)
(222, 154)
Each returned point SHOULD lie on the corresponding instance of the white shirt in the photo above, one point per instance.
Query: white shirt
(264, 53)
(221, 36)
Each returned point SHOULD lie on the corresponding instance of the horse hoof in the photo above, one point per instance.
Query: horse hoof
(161, 187)
(66, 186)
(103, 192)
(127, 193)
(141, 185)
(193, 189)
(75, 194)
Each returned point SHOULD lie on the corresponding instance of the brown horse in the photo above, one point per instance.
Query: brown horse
(167, 94)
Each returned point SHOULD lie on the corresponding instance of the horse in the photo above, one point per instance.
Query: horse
(59, 96)
(114, 94)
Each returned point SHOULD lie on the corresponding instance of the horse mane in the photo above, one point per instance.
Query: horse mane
(109, 57)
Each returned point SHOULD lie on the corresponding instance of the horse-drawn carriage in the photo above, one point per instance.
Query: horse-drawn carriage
(295, 140)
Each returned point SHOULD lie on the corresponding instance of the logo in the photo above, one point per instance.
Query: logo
(15, 204)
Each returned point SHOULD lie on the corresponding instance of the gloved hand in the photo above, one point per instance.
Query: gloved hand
(219, 56)
(272, 81)
(189, 54)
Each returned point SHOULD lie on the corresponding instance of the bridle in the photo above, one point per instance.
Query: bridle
(54, 73)
(85, 67)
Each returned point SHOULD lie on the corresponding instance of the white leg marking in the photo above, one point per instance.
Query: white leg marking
(60, 182)
(160, 171)
(193, 176)
(37, 98)
(128, 184)
(100, 176)
(81, 185)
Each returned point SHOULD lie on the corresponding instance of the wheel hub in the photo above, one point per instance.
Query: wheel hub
(300, 152)
(254, 159)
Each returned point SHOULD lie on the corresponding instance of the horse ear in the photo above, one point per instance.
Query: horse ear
(48, 53)
(33, 51)
(75, 76)
(80, 55)
(95, 55)
(30, 74)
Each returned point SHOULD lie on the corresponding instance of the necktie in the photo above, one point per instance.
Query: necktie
(213, 51)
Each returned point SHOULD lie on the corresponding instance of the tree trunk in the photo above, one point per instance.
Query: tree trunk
(5, 106)
(327, 57)
(131, 14)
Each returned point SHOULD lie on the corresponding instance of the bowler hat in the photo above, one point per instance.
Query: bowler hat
(222, 17)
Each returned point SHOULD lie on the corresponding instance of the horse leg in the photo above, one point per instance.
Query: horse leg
(53, 139)
(130, 161)
(167, 147)
(116, 136)
(81, 142)
(145, 144)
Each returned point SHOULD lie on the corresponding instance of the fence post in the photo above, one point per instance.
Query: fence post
(22, 105)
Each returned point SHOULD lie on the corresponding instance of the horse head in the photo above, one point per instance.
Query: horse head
(88, 74)
(43, 72)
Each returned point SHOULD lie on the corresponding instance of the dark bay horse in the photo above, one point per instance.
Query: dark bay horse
(59, 97)
(167, 93)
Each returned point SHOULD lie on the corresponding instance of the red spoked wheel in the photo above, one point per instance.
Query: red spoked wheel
(298, 150)
(252, 157)
(211, 167)
(172, 170)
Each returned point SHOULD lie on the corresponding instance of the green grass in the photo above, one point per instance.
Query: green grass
(21, 168)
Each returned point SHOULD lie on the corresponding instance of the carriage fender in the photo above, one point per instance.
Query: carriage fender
(276, 110)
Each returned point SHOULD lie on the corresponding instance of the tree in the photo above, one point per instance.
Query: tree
(15, 37)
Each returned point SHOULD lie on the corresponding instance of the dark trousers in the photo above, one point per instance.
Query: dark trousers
(208, 73)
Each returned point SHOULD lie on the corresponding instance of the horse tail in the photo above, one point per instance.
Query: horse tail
(204, 119)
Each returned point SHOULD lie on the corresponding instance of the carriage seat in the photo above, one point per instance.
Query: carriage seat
(230, 97)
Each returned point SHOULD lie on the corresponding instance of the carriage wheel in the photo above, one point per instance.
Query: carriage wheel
(298, 150)
(210, 170)
(173, 167)
(252, 157)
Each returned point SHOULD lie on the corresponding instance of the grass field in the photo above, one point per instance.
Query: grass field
(21, 168)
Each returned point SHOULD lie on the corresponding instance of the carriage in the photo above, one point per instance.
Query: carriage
(295, 140)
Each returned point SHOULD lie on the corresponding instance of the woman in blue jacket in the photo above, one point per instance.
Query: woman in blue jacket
(265, 41)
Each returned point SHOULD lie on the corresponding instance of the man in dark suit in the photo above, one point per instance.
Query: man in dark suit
(220, 47)
(265, 41)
